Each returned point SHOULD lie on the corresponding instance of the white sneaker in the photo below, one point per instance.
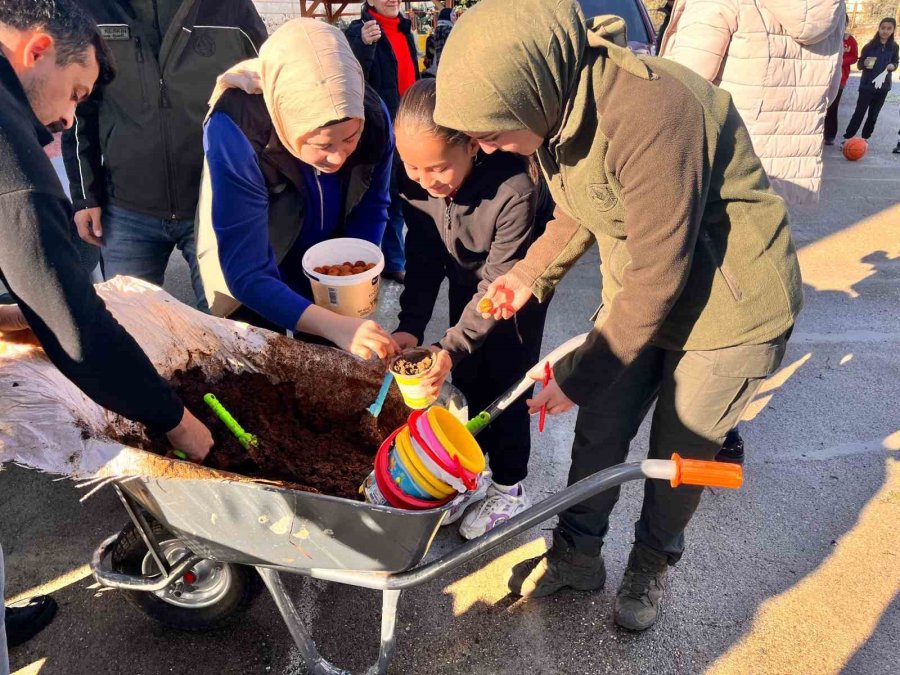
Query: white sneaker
(455, 513)
(498, 507)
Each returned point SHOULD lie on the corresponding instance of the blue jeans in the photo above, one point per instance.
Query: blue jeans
(139, 246)
(392, 243)
(90, 257)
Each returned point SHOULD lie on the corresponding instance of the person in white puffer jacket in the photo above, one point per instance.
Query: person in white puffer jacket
(780, 61)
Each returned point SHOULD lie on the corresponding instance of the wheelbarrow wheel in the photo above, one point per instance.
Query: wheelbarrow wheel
(208, 595)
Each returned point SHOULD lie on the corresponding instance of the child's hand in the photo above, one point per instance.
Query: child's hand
(434, 378)
(507, 296)
(405, 340)
(364, 339)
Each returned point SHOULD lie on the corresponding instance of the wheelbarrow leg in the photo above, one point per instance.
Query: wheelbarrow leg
(389, 601)
(315, 664)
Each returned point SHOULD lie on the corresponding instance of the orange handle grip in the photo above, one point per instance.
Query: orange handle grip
(711, 474)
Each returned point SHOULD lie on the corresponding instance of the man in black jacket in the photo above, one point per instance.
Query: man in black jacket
(135, 154)
(51, 56)
(382, 42)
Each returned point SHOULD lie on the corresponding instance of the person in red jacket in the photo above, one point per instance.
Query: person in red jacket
(851, 54)
(383, 43)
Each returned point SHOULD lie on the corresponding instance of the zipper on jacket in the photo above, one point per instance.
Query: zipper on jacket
(726, 273)
(165, 103)
(321, 201)
(448, 230)
(139, 57)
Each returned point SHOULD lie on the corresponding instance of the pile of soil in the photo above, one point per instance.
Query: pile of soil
(308, 444)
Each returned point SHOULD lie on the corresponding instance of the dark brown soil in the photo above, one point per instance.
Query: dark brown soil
(413, 362)
(309, 444)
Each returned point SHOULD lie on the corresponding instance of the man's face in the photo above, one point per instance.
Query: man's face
(54, 91)
(388, 8)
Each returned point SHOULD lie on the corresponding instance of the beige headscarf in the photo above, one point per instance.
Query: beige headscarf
(307, 75)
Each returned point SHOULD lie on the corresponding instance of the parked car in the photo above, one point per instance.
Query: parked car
(639, 28)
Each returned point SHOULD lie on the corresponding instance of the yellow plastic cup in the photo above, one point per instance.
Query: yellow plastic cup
(417, 471)
(412, 390)
(456, 439)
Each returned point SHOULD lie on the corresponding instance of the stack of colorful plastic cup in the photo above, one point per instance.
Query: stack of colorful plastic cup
(425, 463)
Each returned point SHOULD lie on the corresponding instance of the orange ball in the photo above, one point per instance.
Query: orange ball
(855, 148)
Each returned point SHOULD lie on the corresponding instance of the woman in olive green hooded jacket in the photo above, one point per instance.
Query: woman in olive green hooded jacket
(700, 278)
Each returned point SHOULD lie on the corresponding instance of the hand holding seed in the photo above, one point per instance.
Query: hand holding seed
(506, 295)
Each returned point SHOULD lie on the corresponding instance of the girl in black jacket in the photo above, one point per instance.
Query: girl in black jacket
(879, 56)
(471, 217)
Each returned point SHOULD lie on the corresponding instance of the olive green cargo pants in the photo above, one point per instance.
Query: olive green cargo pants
(699, 396)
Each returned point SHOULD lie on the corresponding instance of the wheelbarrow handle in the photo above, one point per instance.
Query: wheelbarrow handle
(489, 414)
(677, 471)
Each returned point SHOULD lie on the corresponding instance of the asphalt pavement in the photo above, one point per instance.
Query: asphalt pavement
(798, 572)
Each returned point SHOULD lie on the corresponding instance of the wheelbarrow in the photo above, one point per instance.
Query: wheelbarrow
(188, 556)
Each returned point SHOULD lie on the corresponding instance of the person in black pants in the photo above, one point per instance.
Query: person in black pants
(851, 56)
(896, 150)
(879, 57)
(51, 57)
(382, 41)
(471, 217)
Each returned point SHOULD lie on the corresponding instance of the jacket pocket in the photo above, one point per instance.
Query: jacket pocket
(717, 259)
(749, 361)
(141, 68)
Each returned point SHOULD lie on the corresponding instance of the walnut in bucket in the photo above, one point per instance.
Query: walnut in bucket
(344, 269)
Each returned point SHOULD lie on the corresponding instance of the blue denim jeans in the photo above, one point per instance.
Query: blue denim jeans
(139, 246)
(392, 243)
(90, 257)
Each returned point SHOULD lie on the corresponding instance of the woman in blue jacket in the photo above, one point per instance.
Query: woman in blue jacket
(307, 160)
(879, 57)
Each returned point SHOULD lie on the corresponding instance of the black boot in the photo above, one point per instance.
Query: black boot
(637, 603)
(896, 150)
(26, 619)
(560, 567)
(732, 449)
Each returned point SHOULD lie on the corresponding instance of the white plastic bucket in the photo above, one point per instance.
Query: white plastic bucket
(353, 295)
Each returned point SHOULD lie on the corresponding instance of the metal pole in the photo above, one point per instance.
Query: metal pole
(315, 664)
(389, 602)
(143, 528)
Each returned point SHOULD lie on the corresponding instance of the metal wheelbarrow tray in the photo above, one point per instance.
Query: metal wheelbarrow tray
(217, 523)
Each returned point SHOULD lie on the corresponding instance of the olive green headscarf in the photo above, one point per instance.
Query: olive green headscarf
(509, 65)
(514, 64)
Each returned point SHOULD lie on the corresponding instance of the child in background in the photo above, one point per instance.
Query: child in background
(471, 218)
(879, 56)
(851, 55)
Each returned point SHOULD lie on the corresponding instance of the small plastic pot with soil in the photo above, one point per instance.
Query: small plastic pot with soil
(408, 370)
